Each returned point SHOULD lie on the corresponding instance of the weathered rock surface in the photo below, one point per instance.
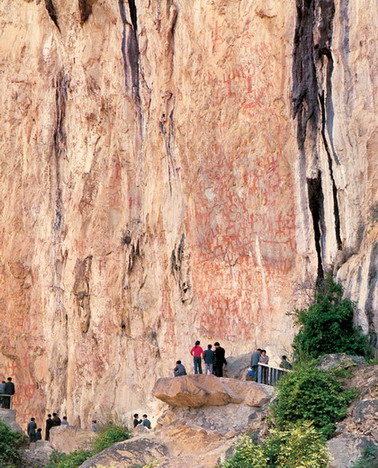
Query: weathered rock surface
(208, 390)
(360, 428)
(37, 455)
(171, 171)
(8, 416)
(341, 361)
(67, 439)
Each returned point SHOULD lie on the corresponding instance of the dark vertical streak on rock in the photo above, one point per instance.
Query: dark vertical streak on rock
(130, 53)
(316, 205)
(52, 12)
(330, 165)
(59, 142)
(305, 87)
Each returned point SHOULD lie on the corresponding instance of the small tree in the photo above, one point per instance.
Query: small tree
(326, 326)
(10, 443)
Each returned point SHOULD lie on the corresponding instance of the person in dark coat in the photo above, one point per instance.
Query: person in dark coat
(38, 435)
(9, 390)
(255, 359)
(56, 420)
(220, 360)
(146, 422)
(136, 420)
(2, 391)
(31, 429)
(49, 425)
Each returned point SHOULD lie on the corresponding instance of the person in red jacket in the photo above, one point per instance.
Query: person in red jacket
(197, 353)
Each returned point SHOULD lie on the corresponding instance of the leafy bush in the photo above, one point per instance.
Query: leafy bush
(109, 435)
(300, 446)
(327, 326)
(10, 443)
(310, 394)
(71, 460)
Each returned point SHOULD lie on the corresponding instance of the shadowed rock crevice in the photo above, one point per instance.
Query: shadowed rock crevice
(85, 8)
(316, 205)
(81, 290)
(130, 52)
(181, 270)
(59, 142)
(52, 12)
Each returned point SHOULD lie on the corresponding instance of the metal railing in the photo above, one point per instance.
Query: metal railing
(269, 375)
(6, 400)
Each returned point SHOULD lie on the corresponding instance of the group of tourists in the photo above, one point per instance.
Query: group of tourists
(144, 422)
(6, 388)
(35, 433)
(214, 360)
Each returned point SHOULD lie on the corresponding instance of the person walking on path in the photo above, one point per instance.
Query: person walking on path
(2, 391)
(285, 364)
(9, 390)
(136, 420)
(255, 359)
(220, 360)
(179, 370)
(197, 353)
(146, 422)
(208, 357)
(49, 425)
(31, 429)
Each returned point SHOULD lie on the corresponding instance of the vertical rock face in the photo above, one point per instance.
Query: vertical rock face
(171, 171)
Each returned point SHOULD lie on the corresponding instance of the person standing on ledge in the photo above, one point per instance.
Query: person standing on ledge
(208, 357)
(64, 421)
(197, 353)
(219, 359)
(2, 391)
(31, 429)
(49, 425)
(9, 390)
(56, 419)
(255, 359)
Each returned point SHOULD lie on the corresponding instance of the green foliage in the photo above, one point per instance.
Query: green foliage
(297, 447)
(369, 458)
(327, 327)
(310, 394)
(10, 443)
(71, 460)
(109, 435)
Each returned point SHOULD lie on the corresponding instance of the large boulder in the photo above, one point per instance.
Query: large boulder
(208, 390)
(341, 361)
(67, 439)
(37, 455)
(8, 416)
(137, 451)
(347, 449)
(237, 366)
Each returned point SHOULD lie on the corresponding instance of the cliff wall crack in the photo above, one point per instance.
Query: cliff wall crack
(52, 12)
(85, 8)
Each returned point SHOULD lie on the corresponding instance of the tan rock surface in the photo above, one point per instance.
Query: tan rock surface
(208, 390)
(156, 189)
(67, 439)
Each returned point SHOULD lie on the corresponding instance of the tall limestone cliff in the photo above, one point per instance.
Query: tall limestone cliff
(175, 170)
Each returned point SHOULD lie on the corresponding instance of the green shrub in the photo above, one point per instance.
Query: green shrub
(327, 327)
(10, 443)
(300, 446)
(310, 394)
(71, 460)
(109, 435)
